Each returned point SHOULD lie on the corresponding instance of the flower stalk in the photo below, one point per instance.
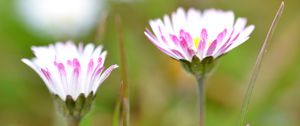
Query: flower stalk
(73, 121)
(200, 69)
(201, 97)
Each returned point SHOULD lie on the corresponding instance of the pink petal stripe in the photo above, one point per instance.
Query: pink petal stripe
(203, 39)
(46, 74)
(105, 74)
(187, 37)
(90, 66)
(76, 68)
(236, 37)
(161, 35)
(153, 40)
(214, 44)
(178, 54)
(97, 73)
(150, 35)
(227, 41)
(228, 44)
(185, 48)
(211, 48)
(168, 52)
(98, 70)
(222, 35)
(222, 48)
(185, 43)
(100, 60)
(174, 39)
(61, 69)
(69, 62)
(108, 71)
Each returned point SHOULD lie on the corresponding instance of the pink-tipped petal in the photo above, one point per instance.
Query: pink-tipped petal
(105, 74)
(211, 48)
(90, 66)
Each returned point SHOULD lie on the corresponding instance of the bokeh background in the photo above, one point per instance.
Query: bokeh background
(161, 93)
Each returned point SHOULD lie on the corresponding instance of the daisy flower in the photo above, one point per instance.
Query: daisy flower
(68, 69)
(210, 33)
(72, 74)
(197, 39)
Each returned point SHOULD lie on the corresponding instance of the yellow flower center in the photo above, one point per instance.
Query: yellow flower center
(196, 42)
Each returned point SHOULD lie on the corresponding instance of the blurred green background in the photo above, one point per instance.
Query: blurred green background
(162, 94)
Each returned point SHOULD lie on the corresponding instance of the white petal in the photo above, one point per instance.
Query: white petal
(168, 24)
(194, 22)
(178, 20)
(244, 36)
(104, 75)
(88, 50)
(162, 47)
(239, 25)
(36, 69)
(97, 52)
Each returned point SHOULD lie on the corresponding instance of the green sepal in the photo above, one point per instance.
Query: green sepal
(88, 104)
(197, 67)
(74, 109)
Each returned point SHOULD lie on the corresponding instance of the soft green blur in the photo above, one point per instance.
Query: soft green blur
(161, 93)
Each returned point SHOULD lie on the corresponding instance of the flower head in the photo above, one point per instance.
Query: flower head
(70, 70)
(210, 33)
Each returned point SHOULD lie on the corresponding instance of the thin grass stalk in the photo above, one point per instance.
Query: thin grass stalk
(257, 65)
(116, 115)
(118, 119)
(124, 106)
(101, 27)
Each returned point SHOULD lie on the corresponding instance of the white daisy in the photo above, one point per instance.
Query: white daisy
(210, 33)
(70, 70)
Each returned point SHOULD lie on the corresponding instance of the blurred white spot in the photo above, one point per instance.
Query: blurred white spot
(60, 18)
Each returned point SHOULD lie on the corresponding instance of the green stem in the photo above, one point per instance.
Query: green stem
(201, 96)
(73, 122)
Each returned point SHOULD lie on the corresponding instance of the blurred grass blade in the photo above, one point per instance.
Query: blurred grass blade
(117, 121)
(258, 65)
(123, 106)
(101, 27)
